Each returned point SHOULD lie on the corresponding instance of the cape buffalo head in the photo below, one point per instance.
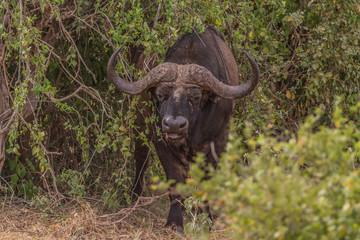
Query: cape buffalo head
(180, 92)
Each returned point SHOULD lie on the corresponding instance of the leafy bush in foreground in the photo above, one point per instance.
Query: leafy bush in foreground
(305, 188)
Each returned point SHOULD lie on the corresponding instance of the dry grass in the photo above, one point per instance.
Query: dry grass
(85, 220)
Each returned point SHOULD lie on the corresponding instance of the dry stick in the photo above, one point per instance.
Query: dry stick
(4, 116)
(74, 94)
(7, 116)
(20, 49)
(45, 181)
(102, 35)
(121, 212)
(85, 88)
(8, 124)
(103, 104)
(87, 104)
(175, 9)
(68, 36)
(149, 213)
(134, 208)
(53, 173)
(157, 16)
(3, 139)
(12, 190)
(26, 231)
(7, 81)
(243, 23)
(35, 100)
(142, 167)
(67, 14)
(107, 18)
(91, 158)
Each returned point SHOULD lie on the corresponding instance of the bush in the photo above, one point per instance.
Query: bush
(304, 188)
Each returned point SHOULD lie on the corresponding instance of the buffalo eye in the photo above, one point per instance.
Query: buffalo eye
(163, 92)
(194, 101)
(194, 96)
(161, 97)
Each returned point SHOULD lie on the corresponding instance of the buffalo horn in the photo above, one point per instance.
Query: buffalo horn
(206, 80)
(165, 72)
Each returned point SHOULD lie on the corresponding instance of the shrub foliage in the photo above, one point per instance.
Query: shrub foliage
(304, 188)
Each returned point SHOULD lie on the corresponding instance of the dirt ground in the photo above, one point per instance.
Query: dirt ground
(82, 220)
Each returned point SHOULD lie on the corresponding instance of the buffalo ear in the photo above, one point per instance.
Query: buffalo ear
(216, 98)
(209, 96)
(204, 98)
(213, 97)
(151, 93)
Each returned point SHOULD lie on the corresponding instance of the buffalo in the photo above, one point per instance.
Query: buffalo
(193, 91)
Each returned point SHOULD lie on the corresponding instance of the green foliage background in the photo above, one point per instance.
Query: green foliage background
(69, 134)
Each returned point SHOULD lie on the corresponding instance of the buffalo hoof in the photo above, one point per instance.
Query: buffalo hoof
(176, 228)
(134, 197)
(212, 228)
(135, 194)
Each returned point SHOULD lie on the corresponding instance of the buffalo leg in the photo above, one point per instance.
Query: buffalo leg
(141, 155)
(177, 172)
(175, 218)
(142, 152)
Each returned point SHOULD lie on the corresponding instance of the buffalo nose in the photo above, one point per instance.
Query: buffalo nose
(175, 124)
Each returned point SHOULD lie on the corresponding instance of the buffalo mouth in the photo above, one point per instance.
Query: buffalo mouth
(174, 136)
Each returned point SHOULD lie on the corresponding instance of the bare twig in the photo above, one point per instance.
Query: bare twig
(9, 122)
(55, 100)
(138, 204)
(157, 16)
(68, 36)
(141, 202)
(96, 30)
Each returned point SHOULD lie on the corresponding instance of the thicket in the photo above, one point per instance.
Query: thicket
(304, 188)
(66, 133)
